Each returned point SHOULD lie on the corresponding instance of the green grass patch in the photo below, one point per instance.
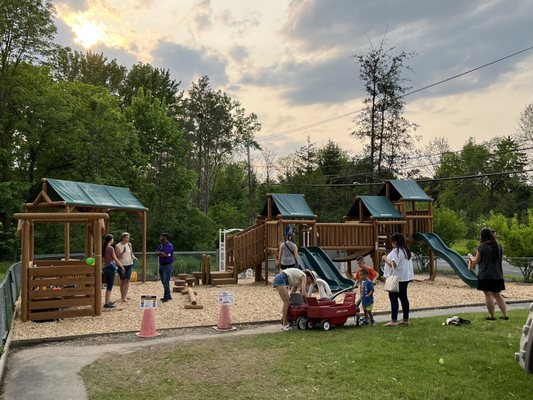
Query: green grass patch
(345, 363)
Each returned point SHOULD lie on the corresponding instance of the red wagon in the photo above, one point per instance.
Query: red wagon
(324, 313)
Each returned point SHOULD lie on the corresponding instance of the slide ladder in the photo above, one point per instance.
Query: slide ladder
(454, 259)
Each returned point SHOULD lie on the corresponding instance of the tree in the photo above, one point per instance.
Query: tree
(212, 124)
(90, 68)
(516, 238)
(26, 33)
(155, 80)
(381, 121)
(448, 225)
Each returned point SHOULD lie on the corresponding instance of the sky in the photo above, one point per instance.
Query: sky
(291, 62)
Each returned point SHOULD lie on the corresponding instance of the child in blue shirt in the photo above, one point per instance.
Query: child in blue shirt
(367, 297)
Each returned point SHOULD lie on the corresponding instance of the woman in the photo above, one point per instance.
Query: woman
(111, 262)
(295, 278)
(288, 253)
(490, 276)
(124, 250)
(399, 261)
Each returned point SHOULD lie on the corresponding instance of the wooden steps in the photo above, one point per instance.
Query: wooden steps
(222, 278)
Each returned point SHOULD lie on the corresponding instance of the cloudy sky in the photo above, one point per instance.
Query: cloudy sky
(290, 61)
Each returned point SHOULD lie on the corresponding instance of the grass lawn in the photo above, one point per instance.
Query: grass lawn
(345, 363)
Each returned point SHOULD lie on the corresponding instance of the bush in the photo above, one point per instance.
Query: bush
(448, 225)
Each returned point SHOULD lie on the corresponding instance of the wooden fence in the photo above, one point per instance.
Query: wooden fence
(249, 248)
(63, 289)
(349, 236)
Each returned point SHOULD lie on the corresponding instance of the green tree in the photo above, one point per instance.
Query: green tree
(90, 68)
(158, 82)
(26, 34)
(448, 225)
(516, 238)
(381, 121)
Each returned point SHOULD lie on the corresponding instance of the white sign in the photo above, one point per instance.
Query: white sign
(148, 301)
(225, 298)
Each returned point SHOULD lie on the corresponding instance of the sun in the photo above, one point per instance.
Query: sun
(88, 33)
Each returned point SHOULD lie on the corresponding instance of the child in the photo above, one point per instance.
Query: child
(313, 281)
(367, 297)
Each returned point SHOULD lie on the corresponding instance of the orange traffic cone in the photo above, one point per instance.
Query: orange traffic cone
(148, 324)
(224, 319)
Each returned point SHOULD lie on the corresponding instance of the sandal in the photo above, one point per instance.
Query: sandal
(490, 319)
(391, 323)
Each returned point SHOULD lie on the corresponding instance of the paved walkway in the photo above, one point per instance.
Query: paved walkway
(51, 372)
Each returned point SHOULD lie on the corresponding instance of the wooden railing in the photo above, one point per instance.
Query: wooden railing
(419, 223)
(350, 236)
(63, 289)
(249, 248)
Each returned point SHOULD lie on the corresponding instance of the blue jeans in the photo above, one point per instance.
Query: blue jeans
(402, 296)
(165, 270)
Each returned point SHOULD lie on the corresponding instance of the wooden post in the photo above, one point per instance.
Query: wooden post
(32, 240)
(266, 266)
(432, 269)
(67, 236)
(144, 245)
(25, 262)
(269, 207)
(97, 226)
(430, 212)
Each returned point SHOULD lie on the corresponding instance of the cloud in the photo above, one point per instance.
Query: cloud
(75, 5)
(187, 64)
(448, 37)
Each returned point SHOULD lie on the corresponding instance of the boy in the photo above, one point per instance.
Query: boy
(372, 275)
(367, 297)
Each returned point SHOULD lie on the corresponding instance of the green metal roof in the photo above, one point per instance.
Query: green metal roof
(83, 194)
(291, 206)
(378, 207)
(405, 190)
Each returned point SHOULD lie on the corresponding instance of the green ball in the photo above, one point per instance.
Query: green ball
(89, 261)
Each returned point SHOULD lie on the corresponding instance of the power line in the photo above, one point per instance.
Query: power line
(450, 178)
(334, 118)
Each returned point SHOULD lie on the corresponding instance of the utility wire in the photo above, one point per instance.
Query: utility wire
(450, 178)
(333, 118)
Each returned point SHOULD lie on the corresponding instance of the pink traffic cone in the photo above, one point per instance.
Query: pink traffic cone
(224, 319)
(148, 324)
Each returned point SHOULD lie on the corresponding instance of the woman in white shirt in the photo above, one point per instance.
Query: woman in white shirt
(124, 252)
(399, 261)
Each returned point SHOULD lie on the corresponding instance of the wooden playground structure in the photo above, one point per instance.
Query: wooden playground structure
(401, 206)
(67, 287)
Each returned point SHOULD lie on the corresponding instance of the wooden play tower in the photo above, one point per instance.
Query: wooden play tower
(67, 287)
(401, 206)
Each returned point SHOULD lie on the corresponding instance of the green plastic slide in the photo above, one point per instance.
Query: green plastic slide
(315, 259)
(453, 258)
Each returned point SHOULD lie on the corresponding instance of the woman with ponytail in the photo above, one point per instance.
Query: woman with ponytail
(489, 256)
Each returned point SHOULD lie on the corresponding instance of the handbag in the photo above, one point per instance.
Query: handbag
(392, 283)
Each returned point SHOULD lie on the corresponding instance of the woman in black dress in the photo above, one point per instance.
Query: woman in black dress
(490, 276)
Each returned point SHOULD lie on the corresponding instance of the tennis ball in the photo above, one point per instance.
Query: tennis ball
(441, 361)
(89, 261)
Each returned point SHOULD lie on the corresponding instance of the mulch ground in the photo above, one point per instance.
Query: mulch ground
(253, 302)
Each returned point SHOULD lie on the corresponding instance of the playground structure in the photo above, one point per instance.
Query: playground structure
(63, 288)
(400, 206)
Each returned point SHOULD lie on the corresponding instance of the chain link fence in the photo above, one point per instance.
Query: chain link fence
(9, 293)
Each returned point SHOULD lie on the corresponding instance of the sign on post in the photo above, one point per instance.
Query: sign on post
(148, 301)
(225, 298)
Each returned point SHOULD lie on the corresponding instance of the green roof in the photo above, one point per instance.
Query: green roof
(378, 207)
(81, 194)
(289, 206)
(405, 190)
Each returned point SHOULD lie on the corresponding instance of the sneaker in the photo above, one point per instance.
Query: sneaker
(504, 318)
(109, 305)
(163, 300)
(489, 318)
(286, 327)
(365, 322)
(373, 323)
